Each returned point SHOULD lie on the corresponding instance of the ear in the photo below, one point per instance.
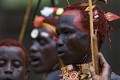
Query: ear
(27, 71)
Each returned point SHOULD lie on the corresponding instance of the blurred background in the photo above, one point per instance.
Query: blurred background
(12, 14)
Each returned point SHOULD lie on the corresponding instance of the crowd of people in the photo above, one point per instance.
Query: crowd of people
(66, 38)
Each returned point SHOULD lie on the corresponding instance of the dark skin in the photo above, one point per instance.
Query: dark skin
(12, 63)
(105, 73)
(43, 53)
(106, 70)
(73, 43)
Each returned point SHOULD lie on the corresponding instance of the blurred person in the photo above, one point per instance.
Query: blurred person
(13, 60)
(43, 52)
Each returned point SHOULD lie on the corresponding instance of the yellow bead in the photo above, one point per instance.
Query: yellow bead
(87, 9)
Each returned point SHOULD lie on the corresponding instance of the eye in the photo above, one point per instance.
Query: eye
(67, 33)
(2, 62)
(57, 32)
(43, 41)
(17, 64)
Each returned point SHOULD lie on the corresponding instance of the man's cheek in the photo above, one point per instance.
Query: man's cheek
(73, 38)
(85, 40)
(72, 41)
(20, 71)
(21, 74)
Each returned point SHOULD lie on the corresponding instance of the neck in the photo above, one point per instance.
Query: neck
(55, 68)
(86, 59)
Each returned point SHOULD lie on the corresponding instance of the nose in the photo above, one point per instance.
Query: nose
(33, 48)
(8, 69)
(60, 43)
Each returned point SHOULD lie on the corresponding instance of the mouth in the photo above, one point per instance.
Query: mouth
(35, 61)
(60, 53)
(8, 78)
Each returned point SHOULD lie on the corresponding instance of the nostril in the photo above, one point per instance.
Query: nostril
(33, 50)
(8, 72)
(59, 45)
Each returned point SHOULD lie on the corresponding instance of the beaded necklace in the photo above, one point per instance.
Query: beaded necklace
(75, 72)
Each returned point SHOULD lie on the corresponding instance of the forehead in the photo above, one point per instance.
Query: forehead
(42, 29)
(11, 52)
(72, 12)
(70, 17)
(66, 19)
(45, 32)
(76, 13)
(73, 19)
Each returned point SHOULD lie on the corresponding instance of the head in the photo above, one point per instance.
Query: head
(43, 51)
(13, 60)
(73, 43)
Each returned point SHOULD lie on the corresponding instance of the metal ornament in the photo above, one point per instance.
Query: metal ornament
(34, 33)
(74, 75)
(85, 68)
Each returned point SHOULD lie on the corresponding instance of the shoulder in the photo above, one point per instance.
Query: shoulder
(53, 75)
(115, 77)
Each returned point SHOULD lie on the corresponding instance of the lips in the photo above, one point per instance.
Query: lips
(61, 52)
(8, 78)
(35, 61)
(34, 58)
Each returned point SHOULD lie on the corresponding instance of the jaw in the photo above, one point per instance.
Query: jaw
(42, 69)
(75, 57)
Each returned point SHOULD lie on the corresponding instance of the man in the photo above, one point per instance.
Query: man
(73, 44)
(74, 35)
(43, 52)
(13, 60)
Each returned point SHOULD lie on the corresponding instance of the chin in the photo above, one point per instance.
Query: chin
(69, 60)
(40, 70)
(8, 78)
(66, 61)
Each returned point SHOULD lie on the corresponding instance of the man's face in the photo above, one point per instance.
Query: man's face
(73, 43)
(43, 53)
(12, 64)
